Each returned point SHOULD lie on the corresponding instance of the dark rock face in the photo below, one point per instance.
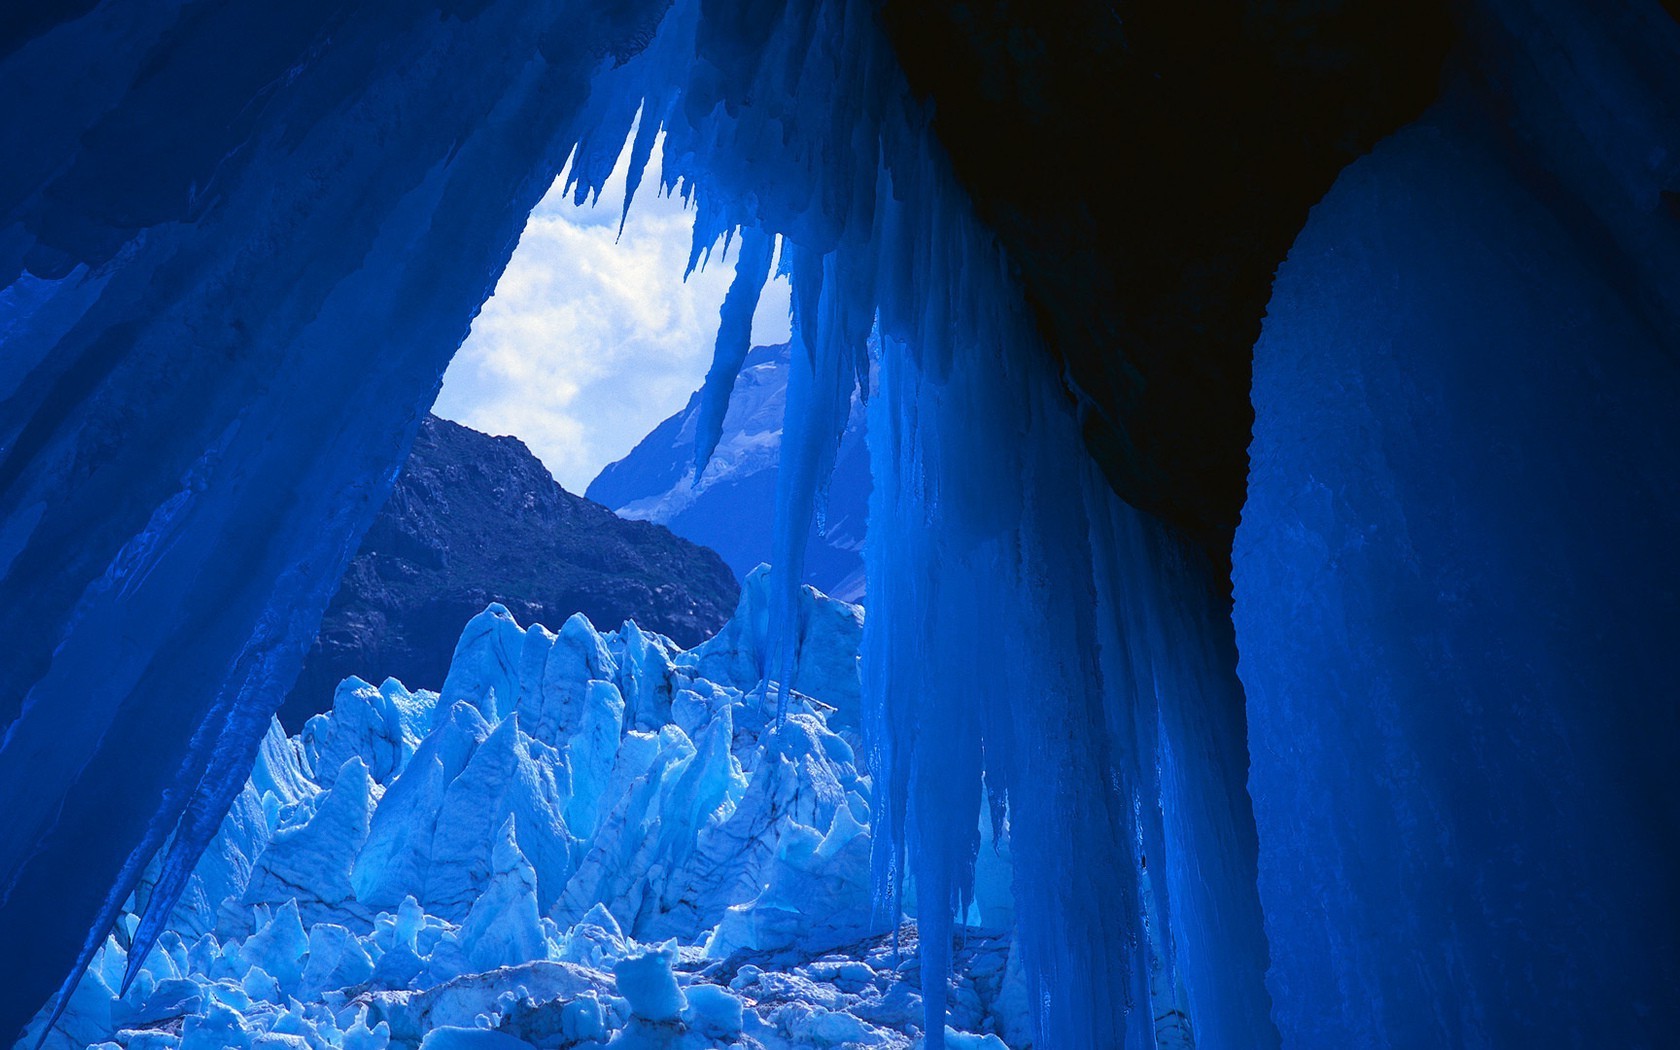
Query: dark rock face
(1147, 165)
(475, 519)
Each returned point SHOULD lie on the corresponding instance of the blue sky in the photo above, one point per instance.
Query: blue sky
(591, 339)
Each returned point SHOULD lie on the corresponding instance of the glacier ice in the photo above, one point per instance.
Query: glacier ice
(415, 876)
(1455, 586)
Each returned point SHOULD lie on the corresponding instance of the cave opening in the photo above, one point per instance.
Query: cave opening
(898, 289)
(576, 382)
(1341, 771)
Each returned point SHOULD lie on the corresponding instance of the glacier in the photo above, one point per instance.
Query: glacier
(585, 839)
(1437, 808)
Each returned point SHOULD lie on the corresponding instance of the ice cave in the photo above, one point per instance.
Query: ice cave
(1201, 571)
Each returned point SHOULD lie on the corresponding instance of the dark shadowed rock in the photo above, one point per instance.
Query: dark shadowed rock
(475, 519)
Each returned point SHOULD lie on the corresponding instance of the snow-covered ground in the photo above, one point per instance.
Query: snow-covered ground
(585, 840)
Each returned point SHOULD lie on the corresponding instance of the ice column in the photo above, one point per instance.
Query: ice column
(1456, 597)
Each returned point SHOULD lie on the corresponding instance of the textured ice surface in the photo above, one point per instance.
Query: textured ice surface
(526, 862)
(1456, 574)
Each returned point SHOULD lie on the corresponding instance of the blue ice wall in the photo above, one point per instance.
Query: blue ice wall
(1457, 582)
(239, 244)
(1075, 652)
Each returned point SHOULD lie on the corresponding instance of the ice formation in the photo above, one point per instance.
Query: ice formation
(216, 358)
(585, 840)
(1431, 607)
(1032, 639)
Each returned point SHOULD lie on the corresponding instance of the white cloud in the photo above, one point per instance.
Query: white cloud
(590, 339)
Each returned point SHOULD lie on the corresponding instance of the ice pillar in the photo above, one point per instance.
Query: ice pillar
(1456, 577)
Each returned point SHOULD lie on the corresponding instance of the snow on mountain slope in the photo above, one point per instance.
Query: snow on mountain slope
(584, 840)
(732, 508)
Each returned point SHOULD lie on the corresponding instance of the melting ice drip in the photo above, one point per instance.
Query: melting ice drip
(584, 838)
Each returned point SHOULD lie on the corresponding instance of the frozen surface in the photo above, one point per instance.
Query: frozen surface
(527, 862)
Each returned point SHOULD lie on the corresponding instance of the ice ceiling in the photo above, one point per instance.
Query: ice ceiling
(241, 243)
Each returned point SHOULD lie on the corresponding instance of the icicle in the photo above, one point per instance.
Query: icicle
(734, 340)
(641, 150)
(821, 377)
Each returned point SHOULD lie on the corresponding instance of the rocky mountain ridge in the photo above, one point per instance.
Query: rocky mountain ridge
(473, 520)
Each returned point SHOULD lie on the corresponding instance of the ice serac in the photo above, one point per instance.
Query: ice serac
(226, 314)
(721, 850)
(1455, 587)
(731, 508)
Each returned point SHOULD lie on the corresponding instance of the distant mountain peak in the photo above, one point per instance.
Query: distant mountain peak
(731, 508)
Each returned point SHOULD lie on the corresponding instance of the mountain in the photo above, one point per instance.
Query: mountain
(475, 519)
(732, 509)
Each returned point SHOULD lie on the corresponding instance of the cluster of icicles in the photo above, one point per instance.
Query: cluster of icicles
(1033, 645)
